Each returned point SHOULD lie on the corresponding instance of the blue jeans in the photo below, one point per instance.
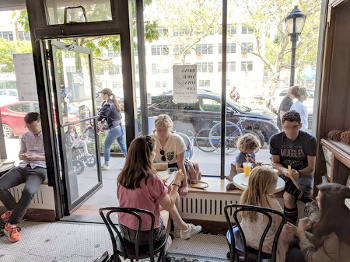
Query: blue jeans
(113, 134)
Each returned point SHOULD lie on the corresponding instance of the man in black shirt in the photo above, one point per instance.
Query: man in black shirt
(286, 104)
(297, 149)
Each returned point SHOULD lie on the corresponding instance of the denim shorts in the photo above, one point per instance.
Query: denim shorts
(130, 234)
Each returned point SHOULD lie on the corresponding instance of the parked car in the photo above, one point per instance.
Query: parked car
(12, 117)
(207, 111)
(8, 96)
(280, 93)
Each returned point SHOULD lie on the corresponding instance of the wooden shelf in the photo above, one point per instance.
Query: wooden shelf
(340, 160)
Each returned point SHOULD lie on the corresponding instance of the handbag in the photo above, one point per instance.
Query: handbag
(194, 175)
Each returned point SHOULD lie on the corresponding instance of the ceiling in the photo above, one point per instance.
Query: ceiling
(7, 5)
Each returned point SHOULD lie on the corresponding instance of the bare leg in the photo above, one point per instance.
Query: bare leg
(175, 216)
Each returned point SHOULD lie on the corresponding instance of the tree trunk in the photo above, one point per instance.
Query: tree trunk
(275, 78)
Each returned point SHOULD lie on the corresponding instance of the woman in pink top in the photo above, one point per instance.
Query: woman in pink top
(140, 187)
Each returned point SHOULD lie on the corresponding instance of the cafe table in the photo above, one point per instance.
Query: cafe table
(241, 181)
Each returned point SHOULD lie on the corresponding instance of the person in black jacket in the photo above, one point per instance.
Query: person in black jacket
(110, 112)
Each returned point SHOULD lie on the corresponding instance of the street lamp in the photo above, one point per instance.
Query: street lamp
(294, 23)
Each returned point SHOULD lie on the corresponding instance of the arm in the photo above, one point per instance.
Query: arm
(170, 199)
(22, 150)
(180, 159)
(311, 160)
(276, 163)
(104, 112)
(282, 114)
(239, 168)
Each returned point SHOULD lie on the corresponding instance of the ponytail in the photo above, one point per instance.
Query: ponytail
(115, 101)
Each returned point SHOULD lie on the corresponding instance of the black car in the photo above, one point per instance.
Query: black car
(189, 118)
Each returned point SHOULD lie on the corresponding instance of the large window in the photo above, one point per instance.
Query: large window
(205, 48)
(206, 67)
(160, 50)
(230, 49)
(246, 66)
(246, 48)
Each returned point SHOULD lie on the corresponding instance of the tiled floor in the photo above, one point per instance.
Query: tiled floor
(83, 242)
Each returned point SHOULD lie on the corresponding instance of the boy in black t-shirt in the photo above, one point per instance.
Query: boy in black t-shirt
(297, 149)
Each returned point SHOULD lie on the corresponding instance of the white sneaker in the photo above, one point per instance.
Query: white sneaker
(105, 167)
(168, 243)
(192, 230)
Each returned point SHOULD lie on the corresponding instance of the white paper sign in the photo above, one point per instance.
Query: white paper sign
(185, 83)
(25, 77)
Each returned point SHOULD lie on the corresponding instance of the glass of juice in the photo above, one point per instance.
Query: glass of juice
(246, 168)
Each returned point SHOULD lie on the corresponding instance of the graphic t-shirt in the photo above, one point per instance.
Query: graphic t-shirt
(243, 157)
(285, 106)
(174, 146)
(295, 152)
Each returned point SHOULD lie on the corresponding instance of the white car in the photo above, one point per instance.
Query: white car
(8, 96)
(280, 93)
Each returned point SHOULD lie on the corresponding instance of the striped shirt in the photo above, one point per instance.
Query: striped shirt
(32, 144)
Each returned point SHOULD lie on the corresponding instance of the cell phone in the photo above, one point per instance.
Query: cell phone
(172, 169)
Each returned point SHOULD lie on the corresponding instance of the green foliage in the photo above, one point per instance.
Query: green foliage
(7, 49)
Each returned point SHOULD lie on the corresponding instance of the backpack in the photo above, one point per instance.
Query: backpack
(194, 175)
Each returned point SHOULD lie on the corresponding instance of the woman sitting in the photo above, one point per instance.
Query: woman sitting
(140, 187)
(170, 147)
(331, 238)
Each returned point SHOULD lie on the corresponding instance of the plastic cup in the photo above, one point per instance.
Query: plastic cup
(246, 168)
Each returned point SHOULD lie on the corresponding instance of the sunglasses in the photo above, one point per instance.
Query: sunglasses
(163, 155)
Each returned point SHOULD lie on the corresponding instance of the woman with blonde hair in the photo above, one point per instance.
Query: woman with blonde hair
(261, 186)
(170, 147)
(111, 113)
(301, 108)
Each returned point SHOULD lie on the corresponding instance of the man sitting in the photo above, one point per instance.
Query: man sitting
(297, 149)
(31, 171)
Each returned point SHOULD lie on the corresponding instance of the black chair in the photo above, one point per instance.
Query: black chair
(236, 239)
(123, 247)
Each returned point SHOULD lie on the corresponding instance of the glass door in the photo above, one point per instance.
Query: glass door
(73, 100)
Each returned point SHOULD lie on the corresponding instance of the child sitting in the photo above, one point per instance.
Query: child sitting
(261, 186)
(247, 145)
(75, 141)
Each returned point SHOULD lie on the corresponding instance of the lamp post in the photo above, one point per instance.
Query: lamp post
(294, 23)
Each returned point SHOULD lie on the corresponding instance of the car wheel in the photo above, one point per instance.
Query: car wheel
(7, 131)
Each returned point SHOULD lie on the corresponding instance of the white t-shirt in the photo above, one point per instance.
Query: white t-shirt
(174, 146)
(302, 110)
(253, 231)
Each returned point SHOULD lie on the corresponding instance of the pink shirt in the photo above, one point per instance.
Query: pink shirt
(146, 197)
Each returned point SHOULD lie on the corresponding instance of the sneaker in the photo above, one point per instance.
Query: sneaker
(12, 232)
(6, 216)
(105, 167)
(192, 230)
(168, 243)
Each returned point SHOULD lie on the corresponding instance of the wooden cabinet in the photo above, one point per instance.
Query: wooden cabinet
(334, 104)
(337, 158)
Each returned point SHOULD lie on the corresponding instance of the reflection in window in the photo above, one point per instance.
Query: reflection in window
(206, 67)
(205, 48)
(208, 104)
(247, 30)
(203, 83)
(230, 66)
(247, 47)
(230, 49)
(247, 66)
(160, 50)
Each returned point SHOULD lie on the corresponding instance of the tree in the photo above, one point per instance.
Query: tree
(266, 18)
(188, 22)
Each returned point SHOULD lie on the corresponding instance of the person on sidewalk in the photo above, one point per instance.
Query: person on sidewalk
(31, 171)
(297, 149)
(111, 113)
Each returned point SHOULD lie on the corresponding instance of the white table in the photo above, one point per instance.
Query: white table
(241, 181)
(6, 165)
(166, 176)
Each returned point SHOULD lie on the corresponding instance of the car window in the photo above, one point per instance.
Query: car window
(13, 93)
(184, 106)
(36, 107)
(2, 92)
(284, 93)
(209, 104)
(22, 108)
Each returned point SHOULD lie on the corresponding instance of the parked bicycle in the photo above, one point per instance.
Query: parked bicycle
(209, 140)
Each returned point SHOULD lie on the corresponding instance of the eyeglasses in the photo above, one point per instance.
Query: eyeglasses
(163, 155)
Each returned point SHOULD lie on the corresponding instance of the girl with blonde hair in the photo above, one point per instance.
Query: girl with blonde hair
(261, 186)
(248, 145)
(170, 147)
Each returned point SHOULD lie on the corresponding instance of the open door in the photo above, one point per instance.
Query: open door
(72, 90)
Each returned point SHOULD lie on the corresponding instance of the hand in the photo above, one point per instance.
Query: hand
(32, 157)
(179, 176)
(258, 164)
(304, 224)
(294, 173)
(291, 228)
(183, 191)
